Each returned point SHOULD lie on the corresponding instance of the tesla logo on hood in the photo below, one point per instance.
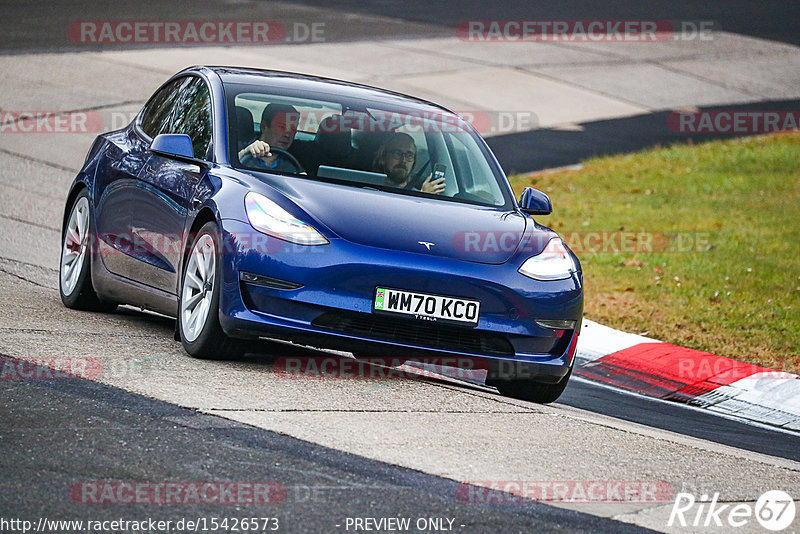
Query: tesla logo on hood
(427, 245)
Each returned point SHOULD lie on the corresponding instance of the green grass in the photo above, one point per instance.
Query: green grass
(737, 292)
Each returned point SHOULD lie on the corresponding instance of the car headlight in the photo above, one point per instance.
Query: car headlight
(269, 218)
(553, 263)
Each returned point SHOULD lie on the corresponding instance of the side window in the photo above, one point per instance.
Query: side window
(158, 111)
(193, 115)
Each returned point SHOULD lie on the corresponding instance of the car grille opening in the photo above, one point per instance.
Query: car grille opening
(415, 333)
(267, 281)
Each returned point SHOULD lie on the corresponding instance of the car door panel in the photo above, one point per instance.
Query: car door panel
(164, 191)
(117, 181)
(115, 184)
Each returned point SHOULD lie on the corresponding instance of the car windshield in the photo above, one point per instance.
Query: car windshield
(422, 151)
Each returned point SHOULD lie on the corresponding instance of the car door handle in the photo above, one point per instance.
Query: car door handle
(150, 170)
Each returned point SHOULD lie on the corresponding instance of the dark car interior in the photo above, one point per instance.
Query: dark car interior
(338, 142)
(335, 143)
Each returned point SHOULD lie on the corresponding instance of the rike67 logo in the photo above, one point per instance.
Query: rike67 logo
(774, 510)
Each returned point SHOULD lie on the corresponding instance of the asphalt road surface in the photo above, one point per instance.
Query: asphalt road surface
(63, 435)
(39, 24)
(402, 445)
(340, 448)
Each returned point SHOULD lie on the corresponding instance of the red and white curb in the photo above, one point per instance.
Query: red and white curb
(656, 369)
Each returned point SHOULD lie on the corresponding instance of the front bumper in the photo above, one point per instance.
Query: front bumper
(323, 296)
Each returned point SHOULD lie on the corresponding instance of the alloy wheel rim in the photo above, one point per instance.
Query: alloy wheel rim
(73, 250)
(198, 287)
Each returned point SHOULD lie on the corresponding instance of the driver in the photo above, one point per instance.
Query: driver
(278, 128)
(396, 157)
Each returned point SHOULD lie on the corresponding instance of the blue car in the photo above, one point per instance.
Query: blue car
(254, 204)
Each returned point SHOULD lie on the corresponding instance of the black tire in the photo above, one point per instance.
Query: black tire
(210, 343)
(79, 294)
(530, 390)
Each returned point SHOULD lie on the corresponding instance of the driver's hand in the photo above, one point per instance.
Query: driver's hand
(257, 149)
(436, 186)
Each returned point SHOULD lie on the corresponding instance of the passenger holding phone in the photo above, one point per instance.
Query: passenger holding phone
(396, 157)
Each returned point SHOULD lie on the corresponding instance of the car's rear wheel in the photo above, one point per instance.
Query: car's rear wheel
(75, 273)
(198, 311)
(531, 390)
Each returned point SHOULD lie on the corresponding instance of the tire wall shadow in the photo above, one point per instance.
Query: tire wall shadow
(549, 147)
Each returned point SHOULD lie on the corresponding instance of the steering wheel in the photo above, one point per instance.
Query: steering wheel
(288, 155)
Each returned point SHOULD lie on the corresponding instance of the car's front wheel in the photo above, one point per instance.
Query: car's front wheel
(75, 273)
(198, 311)
(527, 388)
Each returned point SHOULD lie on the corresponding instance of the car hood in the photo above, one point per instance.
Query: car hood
(413, 224)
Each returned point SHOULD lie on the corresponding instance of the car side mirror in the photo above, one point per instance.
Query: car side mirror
(177, 147)
(534, 202)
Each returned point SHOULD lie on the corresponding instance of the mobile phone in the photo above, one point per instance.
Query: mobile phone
(438, 171)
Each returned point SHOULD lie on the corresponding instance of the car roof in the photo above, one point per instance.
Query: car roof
(306, 83)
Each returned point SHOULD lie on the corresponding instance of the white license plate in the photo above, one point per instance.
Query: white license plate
(427, 307)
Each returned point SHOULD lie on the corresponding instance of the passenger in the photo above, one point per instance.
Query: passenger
(396, 157)
(278, 127)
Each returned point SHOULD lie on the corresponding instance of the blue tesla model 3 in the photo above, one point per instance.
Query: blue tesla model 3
(256, 204)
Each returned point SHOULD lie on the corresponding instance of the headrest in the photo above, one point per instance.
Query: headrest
(334, 137)
(244, 125)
